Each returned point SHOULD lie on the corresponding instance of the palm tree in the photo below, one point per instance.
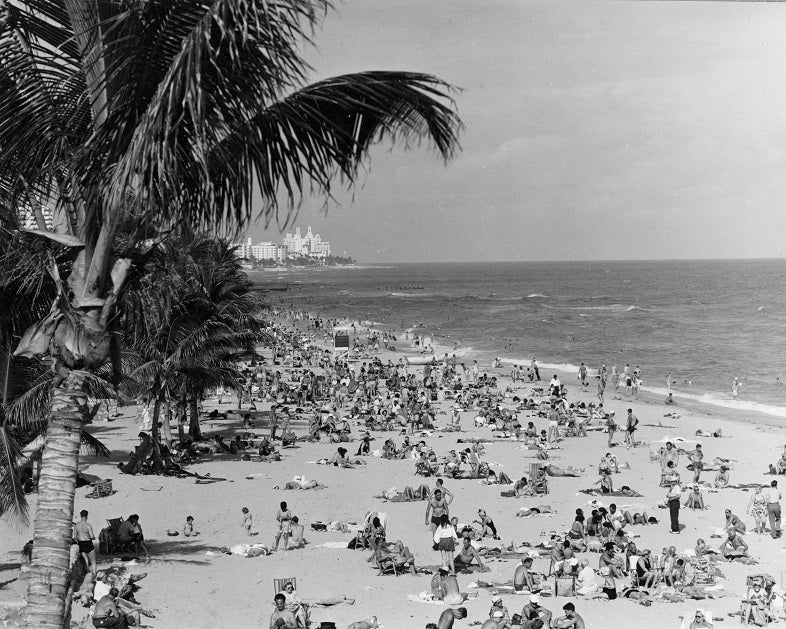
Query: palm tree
(188, 320)
(163, 113)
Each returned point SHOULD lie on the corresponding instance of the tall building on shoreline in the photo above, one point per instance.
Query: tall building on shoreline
(294, 246)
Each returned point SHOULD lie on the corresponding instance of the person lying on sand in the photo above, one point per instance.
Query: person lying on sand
(371, 623)
(300, 482)
(528, 511)
(553, 470)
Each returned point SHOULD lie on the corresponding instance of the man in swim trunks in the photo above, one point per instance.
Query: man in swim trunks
(447, 617)
(282, 618)
(524, 578)
(106, 614)
(697, 460)
(437, 506)
(84, 536)
(445, 587)
(467, 554)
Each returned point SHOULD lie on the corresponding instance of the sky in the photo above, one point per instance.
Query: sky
(593, 130)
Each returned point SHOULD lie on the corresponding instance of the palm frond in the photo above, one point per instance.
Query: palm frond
(327, 128)
(13, 504)
(91, 445)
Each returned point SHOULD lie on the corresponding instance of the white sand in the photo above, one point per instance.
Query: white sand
(194, 589)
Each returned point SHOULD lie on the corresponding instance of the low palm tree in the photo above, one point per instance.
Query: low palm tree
(159, 113)
(188, 321)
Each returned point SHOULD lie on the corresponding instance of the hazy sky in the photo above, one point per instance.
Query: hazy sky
(594, 130)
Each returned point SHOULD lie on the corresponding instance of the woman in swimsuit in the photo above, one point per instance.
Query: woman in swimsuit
(757, 507)
(576, 534)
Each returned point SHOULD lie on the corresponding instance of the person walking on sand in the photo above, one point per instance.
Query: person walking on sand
(84, 536)
(445, 542)
(535, 370)
(773, 496)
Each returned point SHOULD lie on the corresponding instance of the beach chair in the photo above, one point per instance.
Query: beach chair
(389, 565)
(304, 618)
(108, 540)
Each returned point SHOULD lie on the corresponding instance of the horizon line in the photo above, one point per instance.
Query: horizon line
(599, 260)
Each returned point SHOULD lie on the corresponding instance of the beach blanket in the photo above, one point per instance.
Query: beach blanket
(597, 492)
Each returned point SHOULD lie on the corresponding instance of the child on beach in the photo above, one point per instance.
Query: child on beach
(247, 520)
(188, 527)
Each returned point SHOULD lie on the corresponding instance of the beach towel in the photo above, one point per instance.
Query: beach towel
(597, 492)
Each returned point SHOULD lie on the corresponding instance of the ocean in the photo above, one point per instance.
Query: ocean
(706, 322)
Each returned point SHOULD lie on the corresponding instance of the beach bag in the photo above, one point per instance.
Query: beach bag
(509, 493)
(327, 625)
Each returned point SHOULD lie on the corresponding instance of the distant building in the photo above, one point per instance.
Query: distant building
(309, 245)
(295, 245)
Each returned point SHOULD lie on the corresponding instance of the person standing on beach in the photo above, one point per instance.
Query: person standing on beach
(583, 375)
(437, 507)
(668, 381)
(630, 428)
(601, 389)
(673, 497)
(773, 496)
(697, 460)
(735, 388)
(534, 366)
(615, 378)
(553, 425)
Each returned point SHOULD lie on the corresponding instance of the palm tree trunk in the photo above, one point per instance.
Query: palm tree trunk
(154, 430)
(194, 430)
(47, 587)
(168, 422)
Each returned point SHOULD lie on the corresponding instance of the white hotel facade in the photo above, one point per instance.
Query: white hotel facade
(295, 245)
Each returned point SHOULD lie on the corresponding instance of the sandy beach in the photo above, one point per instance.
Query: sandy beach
(191, 583)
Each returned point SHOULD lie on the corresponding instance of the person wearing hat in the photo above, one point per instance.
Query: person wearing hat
(498, 610)
(532, 612)
(496, 621)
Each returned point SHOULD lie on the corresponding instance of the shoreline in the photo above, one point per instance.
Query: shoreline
(685, 400)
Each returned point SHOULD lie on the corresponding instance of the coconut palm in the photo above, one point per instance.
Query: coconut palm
(161, 112)
(188, 320)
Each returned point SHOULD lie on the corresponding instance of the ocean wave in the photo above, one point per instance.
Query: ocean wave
(606, 308)
(721, 400)
(533, 295)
